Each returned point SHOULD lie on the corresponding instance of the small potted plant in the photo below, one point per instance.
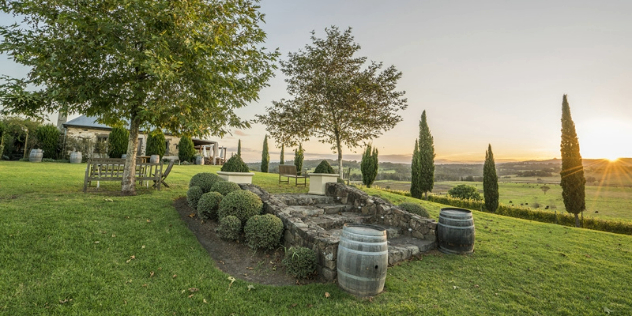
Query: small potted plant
(322, 175)
(235, 170)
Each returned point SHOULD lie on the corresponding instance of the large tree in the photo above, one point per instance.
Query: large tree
(336, 96)
(426, 157)
(415, 190)
(573, 181)
(181, 66)
(490, 181)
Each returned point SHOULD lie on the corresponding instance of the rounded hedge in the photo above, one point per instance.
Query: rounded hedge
(208, 205)
(235, 164)
(415, 209)
(263, 231)
(229, 228)
(324, 167)
(205, 180)
(300, 262)
(225, 187)
(242, 204)
(193, 196)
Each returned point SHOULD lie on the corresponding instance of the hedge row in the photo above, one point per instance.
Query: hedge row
(565, 219)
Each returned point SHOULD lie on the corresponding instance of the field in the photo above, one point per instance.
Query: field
(607, 202)
(69, 253)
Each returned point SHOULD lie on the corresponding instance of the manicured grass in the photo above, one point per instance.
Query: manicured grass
(66, 252)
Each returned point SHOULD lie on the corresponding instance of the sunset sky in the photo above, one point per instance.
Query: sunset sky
(485, 72)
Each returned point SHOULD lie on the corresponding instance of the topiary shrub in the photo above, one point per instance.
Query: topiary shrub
(225, 187)
(263, 231)
(300, 262)
(48, 140)
(229, 228)
(205, 180)
(208, 205)
(117, 142)
(415, 209)
(465, 192)
(156, 143)
(193, 196)
(186, 150)
(324, 167)
(242, 204)
(235, 164)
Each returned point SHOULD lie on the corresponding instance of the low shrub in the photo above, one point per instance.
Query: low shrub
(241, 204)
(324, 167)
(193, 196)
(415, 209)
(208, 205)
(263, 231)
(235, 164)
(225, 187)
(467, 192)
(205, 180)
(300, 262)
(229, 228)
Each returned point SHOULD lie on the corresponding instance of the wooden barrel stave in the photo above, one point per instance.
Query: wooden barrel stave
(362, 259)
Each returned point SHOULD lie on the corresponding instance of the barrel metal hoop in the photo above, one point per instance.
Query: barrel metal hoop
(364, 252)
(355, 277)
(346, 232)
(456, 227)
(364, 242)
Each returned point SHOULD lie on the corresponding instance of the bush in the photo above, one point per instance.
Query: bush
(415, 209)
(242, 204)
(193, 196)
(117, 142)
(186, 150)
(225, 187)
(208, 204)
(300, 262)
(48, 140)
(465, 192)
(156, 143)
(229, 228)
(235, 164)
(263, 231)
(204, 180)
(324, 167)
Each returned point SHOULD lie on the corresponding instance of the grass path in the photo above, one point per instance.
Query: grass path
(63, 252)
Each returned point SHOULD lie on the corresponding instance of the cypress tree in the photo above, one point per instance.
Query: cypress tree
(186, 149)
(490, 181)
(239, 148)
(282, 158)
(573, 181)
(117, 142)
(156, 143)
(298, 159)
(47, 139)
(369, 166)
(265, 156)
(426, 157)
(415, 191)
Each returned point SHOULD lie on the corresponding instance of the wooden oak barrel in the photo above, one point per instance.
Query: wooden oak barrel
(455, 231)
(75, 157)
(36, 155)
(154, 159)
(362, 259)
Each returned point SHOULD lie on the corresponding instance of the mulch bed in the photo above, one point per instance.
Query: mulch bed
(236, 258)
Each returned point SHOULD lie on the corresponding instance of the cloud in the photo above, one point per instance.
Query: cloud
(240, 133)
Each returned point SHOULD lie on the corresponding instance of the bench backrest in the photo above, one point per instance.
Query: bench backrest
(287, 169)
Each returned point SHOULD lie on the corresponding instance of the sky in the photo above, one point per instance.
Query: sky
(486, 72)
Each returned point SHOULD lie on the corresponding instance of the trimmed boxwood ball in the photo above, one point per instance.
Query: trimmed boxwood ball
(300, 262)
(263, 231)
(205, 180)
(208, 205)
(225, 187)
(193, 196)
(415, 209)
(229, 228)
(324, 167)
(235, 164)
(242, 204)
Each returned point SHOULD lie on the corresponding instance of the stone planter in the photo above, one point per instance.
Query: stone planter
(237, 177)
(318, 182)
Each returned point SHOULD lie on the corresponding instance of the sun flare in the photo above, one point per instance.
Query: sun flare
(605, 139)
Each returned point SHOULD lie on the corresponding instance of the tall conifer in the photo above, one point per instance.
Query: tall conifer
(415, 191)
(265, 155)
(298, 159)
(426, 157)
(573, 181)
(239, 148)
(369, 165)
(282, 158)
(490, 181)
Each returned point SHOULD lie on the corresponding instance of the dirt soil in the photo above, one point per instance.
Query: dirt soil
(236, 258)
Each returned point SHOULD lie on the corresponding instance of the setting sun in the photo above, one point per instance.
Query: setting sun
(605, 139)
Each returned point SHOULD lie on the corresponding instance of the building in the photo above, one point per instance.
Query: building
(87, 128)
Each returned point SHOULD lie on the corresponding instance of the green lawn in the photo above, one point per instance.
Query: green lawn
(69, 253)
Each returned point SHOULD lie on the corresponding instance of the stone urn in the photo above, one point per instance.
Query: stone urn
(318, 182)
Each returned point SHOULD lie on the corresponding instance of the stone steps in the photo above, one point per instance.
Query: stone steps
(333, 208)
(403, 248)
(304, 199)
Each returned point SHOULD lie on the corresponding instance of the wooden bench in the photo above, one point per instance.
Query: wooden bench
(111, 169)
(289, 171)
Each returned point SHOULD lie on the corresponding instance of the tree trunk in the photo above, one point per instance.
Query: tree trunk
(129, 173)
(340, 171)
(576, 220)
(426, 195)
